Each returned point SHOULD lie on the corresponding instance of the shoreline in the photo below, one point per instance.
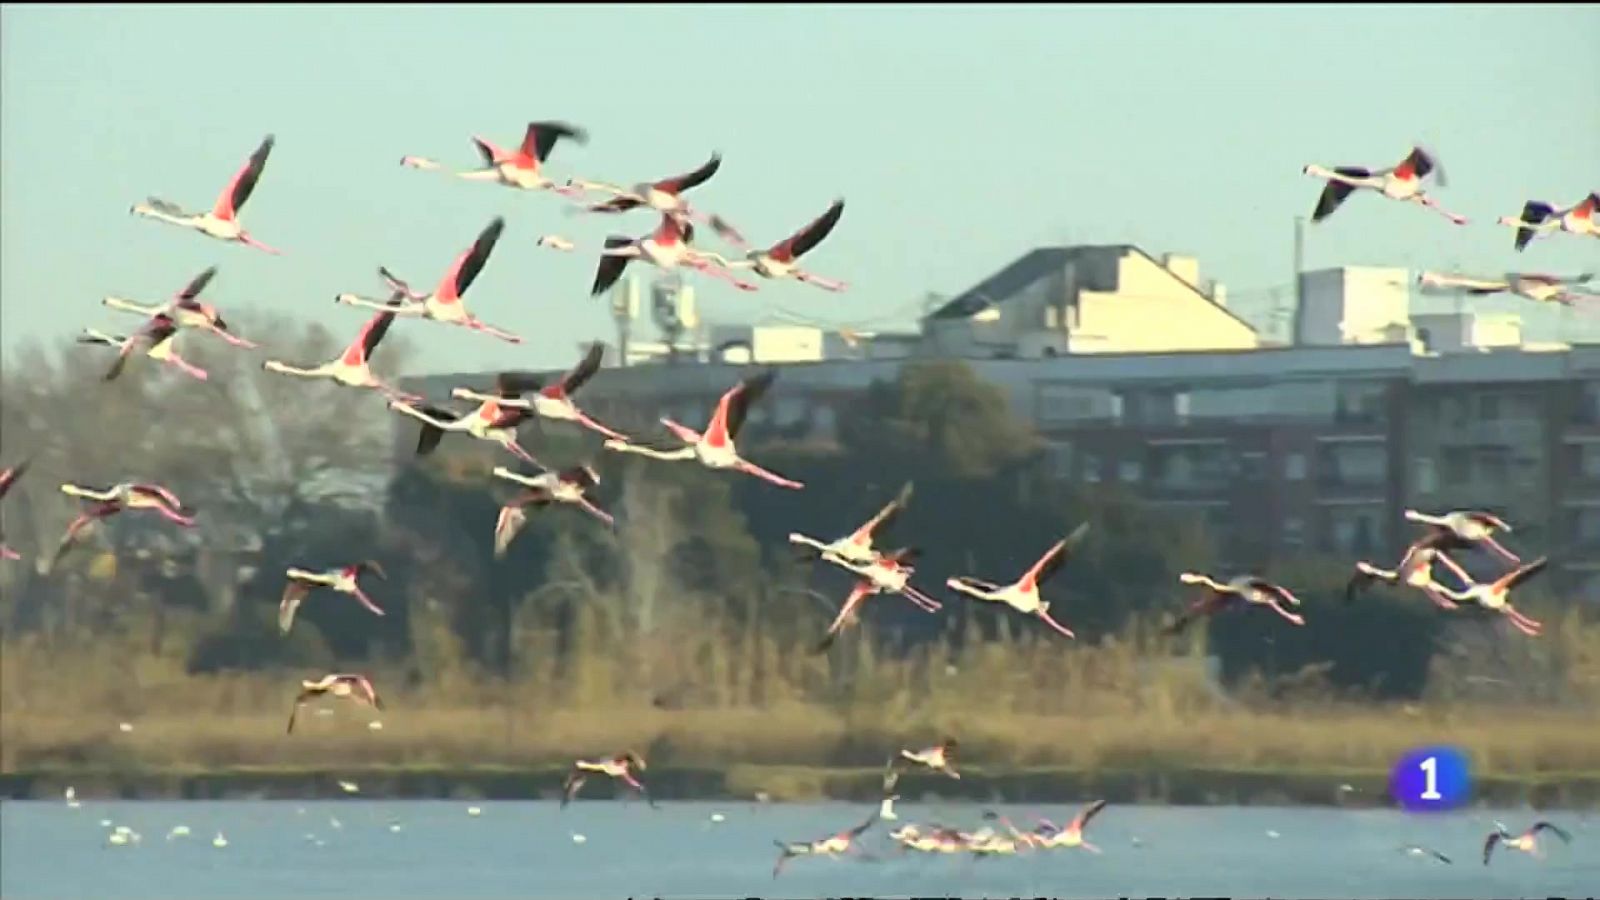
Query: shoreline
(1174, 787)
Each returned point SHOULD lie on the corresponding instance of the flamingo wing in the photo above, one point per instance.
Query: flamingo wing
(582, 476)
(886, 516)
(1553, 828)
(681, 183)
(197, 284)
(294, 593)
(158, 492)
(1055, 556)
(467, 266)
(1335, 192)
(514, 384)
(364, 684)
(847, 614)
(1524, 573)
(244, 182)
(1418, 163)
(856, 832)
(610, 268)
(371, 334)
(585, 368)
(1489, 845)
(736, 403)
(541, 138)
(1533, 213)
(1081, 821)
(802, 241)
(373, 566)
(1277, 590)
(10, 476)
(490, 153)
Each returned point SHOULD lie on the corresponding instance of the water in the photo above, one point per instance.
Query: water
(526, 850)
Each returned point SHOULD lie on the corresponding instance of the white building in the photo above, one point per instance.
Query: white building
(1353, 305)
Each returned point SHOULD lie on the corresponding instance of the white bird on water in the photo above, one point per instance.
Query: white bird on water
(71, 794)
(219, 841)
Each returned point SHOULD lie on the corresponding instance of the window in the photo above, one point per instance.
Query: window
(1294, 467)
(1456, 467)
(1060, 455)
(1589, 405)
(1131, 470)
(1091, 468)
(1252, 465)
(1494, 465)
(1489, 407)
(1294, 531)
(1586, 524)
(1424, 476)
(1589, 462)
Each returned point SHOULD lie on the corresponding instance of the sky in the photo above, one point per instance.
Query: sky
(960, 138)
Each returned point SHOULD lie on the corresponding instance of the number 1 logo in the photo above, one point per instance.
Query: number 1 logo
(1431, 779)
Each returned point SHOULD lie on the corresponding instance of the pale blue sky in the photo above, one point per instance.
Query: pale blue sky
(960, 137)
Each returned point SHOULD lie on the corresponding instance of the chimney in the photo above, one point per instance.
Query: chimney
(1186, 268)
(1219, 293)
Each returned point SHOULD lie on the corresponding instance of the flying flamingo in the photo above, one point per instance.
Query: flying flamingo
(1402, 182)
(1527, 842)
(621, 767)
(1415, 570)
(1022, 595)
(567, 486)
(186, 310)
(1495, 596)
(831, 846)
(352, 368)
(1463, 528)
(552, 401)
(664, 196)
(666, 248)
(342, 687)
(222, 221)
(941, 758)
(1533, 286)
(344, 580)
(1072, 835)
(157, 338)
(1221, 595)
(781, 259)
(445, 304)
(115, 499)
(886, 574)
(517, 168)
(488, 422)
(715, 449)
(8, 477)
(1538, 217)
(856, 547)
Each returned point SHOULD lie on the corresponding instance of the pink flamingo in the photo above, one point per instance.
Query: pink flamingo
(1022, 595)
(222, 222)
(666, 248)
(553, 401)
(1495, 596)
(1463, 528)
(352, 368)
(1072, 835)
(567, 486)
(621, 767)
(889, 573)
(186, 310)
(8, 477)
(1538, 217)
(1241, 588)
(156, 338)
(1402, 182)
(1415, 570)
(781, 259)
(664, 196)
(113, 500)
(519, 168)
(715, 449)
(343, 687)
(445, 304)
(343, 579)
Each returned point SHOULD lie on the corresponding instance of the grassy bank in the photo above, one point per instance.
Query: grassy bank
(1184, 786)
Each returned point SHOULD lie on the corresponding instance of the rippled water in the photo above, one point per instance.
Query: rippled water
(281, 849)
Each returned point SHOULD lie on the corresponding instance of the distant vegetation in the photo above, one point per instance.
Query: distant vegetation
(688, 632)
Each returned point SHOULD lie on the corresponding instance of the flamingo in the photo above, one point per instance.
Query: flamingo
(1402, 182)
(666, 248)
(1527, 842)
(9, 477)
(1022, 595)
(1534, 286)
(886, 574)
(1072, 835)
(856, 548)
(1495, 596)
(1538, 217)
(1463, 528)
(622, 766)
(1247, 588)
(941, 758)
(489, 422)
(1421, 851)
(345, 580)
(222, 222)
(516, 168)
(156, 338)
(352, 368)
(445, 304)
(186, 310)
(664, 196)
(339, 686)
(781, 259)
(554, 242)
(1415, 570)
(118, 498)
(552, 401)
(832, 846)
(567, 486)
(715, 449)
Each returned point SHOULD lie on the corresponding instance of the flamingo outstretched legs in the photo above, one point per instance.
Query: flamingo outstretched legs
(1046, 618)
(1433, 204)
(171, 516)
(366, 601)
(1439, 598)
(583, 419)
(718, 272)
(826, 284)
(235, 340)
(486, 328)
(1293, 617)
(923, 600)
(1499, 548)
(249, 241)
(750, 468)
(1524, 624)
(1455, 567)
(516, 449)
(597, 512)
(187, 367)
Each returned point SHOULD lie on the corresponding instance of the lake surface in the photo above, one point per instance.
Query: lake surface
(279, 849)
